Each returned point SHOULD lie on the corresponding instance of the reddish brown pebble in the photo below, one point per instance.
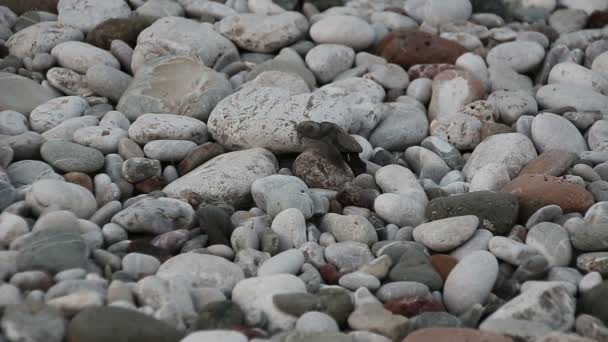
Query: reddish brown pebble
(413, 306)
(443, 264)
(408, 48)
(79, 178)
(151, 184)
(597, 19)
(198, 156)
(536, 191)
(330, 274)
(454, 335)
(550, 163)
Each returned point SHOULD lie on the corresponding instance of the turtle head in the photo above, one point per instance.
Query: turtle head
(308, 129)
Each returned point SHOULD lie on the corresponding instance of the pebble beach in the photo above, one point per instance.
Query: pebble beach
(303, 171)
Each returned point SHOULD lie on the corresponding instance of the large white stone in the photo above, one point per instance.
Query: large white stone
(226, 178)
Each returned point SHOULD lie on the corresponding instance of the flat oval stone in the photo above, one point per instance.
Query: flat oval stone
(521, 56)
(160, 87)
(537, 191)
(52, 251)
(470, 282)
(202, 270)
(550, 131)
(552, 241)
(446, 234)
(41, 38)
(22, 94)
(149, 127)
(343, 29)
(497, 211)
(155, 216)
(71, 157)
(49, 195)
(118, 324)
(79, 56)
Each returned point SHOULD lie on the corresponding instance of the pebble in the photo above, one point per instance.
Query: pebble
(326, 61)
(349, 228)
(356, 280)
(288, 262)
(107, 81)
(155, 215)
(150, 127)
(147, 92)
(452, 89)
(79, 56)
(447, 234)
(552, 241)
(340, 29)
(568, 139)
(27, 321)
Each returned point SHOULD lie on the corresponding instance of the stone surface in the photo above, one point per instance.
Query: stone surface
(513, 150)
(101, 324)
(149, 91)
(50, 195)
(71, 157)
(450, 334)
(227, 178)
(536, 191)
(201, 270)
(550, 131)
(446, 234)
(155, 216)
(550, 163)
(21, 94)
(262, 33)
(340, 29)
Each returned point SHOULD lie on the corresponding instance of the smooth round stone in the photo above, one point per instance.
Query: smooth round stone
(41, 38)
(159, 87)
(552, 241)
(71, 157)
(521, 56)
(288, 262)
(65, 130)
(11, 228)
(355, 280)
(160, 8)
(29, 321)
(349, 255)
(86, 14)
(136, 170)
(201, 270)
(52, 195)
(343, 29)
(401, 289)
(255, 32)
(544, 214)
(168, 150)
(26, 172)
(326, 61)
(510, 250)
(475, 64)
(52, 251)
(450, 155)
(114, 119)
(478, 242)
(12, 123)
(490, 177)
(79, 56)
(421, 89)
(155, 216)
(575, 74)
(56, 111)
(437, 12)
(103, 139)
(244, 238)
(315, 321)
(399, 209)
(103, 323)
(426, 164)
(107, 81)
(349, 228)
(390, 76)
(562, 95)
(515, 151)
(550, 131)
(470, 282)
(400, 180)
(402, 127)
(150, 127)
(446, 234)
(290, 226)
(597, 136)
(183, 33)
(140, 265)
(277, 193)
